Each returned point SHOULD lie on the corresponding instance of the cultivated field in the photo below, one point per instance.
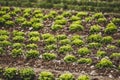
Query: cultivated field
(49, 44)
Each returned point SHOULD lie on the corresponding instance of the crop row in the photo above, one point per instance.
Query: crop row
(29, 74)
(105, 6)
(65, 46)
(33, 19)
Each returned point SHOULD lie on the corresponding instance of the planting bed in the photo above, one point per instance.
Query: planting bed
(81, 44)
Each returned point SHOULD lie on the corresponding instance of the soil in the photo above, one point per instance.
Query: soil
(58, 66)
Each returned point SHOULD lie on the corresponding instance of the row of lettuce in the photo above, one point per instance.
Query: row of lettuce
(64, 46)
(87, 5)
(34, 19)
(29, 74)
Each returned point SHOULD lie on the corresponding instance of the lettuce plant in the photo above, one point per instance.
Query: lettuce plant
(94, 38)
(83, 77)
(70, 58)
(95, 29)
(107, 40)
(65, 48)
(101, 54)
(10, 73)
(83, 51)
(27, 74)
(49, 56)
(16, 52)
(32, 46)
(32, 54)
(46, 75)
(111, 28)
(84, 61)
(76, 27)
(66, 76)
(104, 63)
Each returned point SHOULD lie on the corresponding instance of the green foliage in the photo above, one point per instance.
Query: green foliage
(82, 14)
(10, 73)
(65, 48)
(50, 40)
(32, 46)
(74, 18)
(37, 26)
(70, 58)
(107, 39)
(18, 33)
(17, 45)
(118, 42)
(18, 38)
(64, 41)
(53, 12)
(48, 16)
(9, 23)
(95, 29)
(60, 22)
(84, 61)
(33, 34)
(111, 47)
(37, 20)
(83, 51)
(88, 19)
(76, 37)
(94, 45)
(45, 75)
(77, 22)
(26, 15)
(12, 13)
(46, 35)
(66, 14)
(27, 73)
(16, 52)
(104, 63)
(5, 8)
(50, 47)
(77, 42)
(39, 15)
(83, 77)
(101, 54)
(115, 56)
(17, 10)
(1, 51)
(76, 27)
(26, 24)
(6, 17)
(34, 39)
(59, 17)
(119, 67)
(94, 38)
(111, 28)
(3, 37)
(66, 76)
(116, 20)
(32, 54)
(56, 27)
(4, 32)
(61, 37)
(102, 20)
(49, 56)
(5, 43)
(2, 21)
(20, 20)
(37, 11)
(27, 10)
(98, 15)
(2, 13)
